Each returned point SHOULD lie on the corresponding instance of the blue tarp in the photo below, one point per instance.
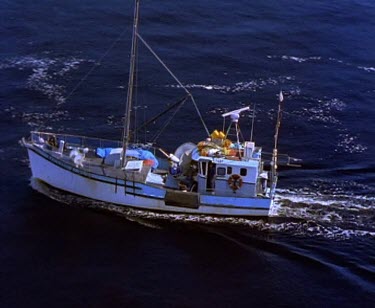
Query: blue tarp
(137, 153)
(103, 152)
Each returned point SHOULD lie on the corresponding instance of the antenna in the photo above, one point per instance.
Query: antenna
(235, 113)
(234, 116)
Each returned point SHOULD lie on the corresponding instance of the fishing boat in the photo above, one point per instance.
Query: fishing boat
(222, 175)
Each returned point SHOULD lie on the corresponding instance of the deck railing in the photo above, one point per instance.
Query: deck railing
(74, 140)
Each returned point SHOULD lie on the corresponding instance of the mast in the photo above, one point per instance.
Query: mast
(274, 152)
(129, 98)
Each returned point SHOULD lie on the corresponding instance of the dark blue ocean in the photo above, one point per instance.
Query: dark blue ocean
(64, 66)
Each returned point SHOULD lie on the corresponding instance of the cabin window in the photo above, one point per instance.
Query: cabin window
(229, 170)
(243, 171)
(220, 171)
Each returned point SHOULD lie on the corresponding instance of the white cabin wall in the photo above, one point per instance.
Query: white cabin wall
(246, 190)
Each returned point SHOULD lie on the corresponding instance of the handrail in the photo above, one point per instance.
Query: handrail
(76, 136)
(80, 141)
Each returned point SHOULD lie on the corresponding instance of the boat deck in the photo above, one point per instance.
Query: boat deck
(95, 165)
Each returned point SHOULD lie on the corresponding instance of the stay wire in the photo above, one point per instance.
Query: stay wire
(176, 79)
(167, 123)
(96, 64)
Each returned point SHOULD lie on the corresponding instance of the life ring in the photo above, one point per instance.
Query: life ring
(235, 181)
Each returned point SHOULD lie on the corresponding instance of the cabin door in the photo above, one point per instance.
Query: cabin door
(211, 175)
(207, 172)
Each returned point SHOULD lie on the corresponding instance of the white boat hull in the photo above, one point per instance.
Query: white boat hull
(133, 194)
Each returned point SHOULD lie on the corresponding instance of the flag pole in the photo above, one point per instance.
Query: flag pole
(274, 152)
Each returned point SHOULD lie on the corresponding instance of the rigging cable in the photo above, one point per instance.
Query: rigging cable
(96, 64)
(170, 107)
(168, 121)
(176, 79)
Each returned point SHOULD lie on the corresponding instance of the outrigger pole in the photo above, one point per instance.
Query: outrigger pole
(129, 98)
(274, 152)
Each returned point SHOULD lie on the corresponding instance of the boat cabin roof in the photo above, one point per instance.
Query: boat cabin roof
(229, 162)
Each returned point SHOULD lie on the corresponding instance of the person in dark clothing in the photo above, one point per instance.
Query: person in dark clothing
(211, 176)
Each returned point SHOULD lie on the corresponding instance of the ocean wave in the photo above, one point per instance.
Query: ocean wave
(335, 214)
(295, 58)
(368, 69)
(37, 120)
(335, 198)
(297, 214)
(336, 60)
(314, 109)
(242, 86)
(300, 59)
(349, 144)
(319, 109)
(325, 110)
(44, 73)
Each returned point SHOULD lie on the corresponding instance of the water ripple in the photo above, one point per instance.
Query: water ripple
(44, 73)
(295, 213)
